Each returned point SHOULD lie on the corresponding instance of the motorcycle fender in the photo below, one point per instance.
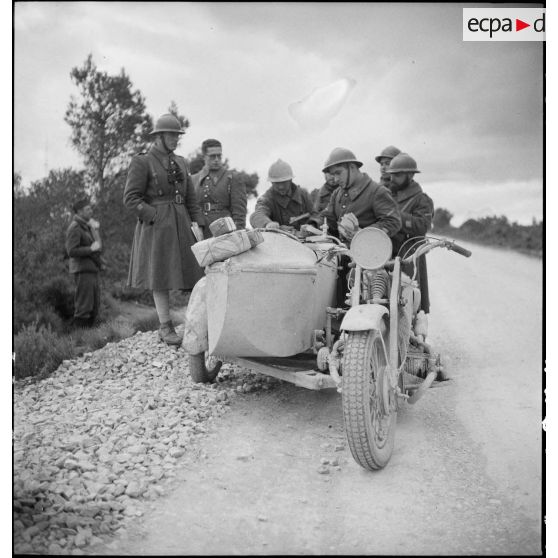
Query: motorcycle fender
(363, 317)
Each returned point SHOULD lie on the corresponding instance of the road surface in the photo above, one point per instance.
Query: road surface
(465, 475)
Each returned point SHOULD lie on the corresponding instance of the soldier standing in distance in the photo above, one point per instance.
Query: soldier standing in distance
(160, 192)
(220, 193)
(384, 159)
(84, 252)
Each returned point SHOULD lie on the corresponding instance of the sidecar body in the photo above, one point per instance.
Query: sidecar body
(269, 300)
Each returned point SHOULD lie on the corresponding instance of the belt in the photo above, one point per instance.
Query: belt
(212, 206)
(165, 200)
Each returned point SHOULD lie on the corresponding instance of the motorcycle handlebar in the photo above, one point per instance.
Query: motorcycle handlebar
(460, 250)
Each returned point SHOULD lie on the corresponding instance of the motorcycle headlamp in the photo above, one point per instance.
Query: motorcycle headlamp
(371, 248)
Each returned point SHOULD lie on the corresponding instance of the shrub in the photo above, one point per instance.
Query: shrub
(39, 351)
(58, 292)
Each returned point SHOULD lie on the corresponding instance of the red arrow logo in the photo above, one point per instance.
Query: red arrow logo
(519, 25)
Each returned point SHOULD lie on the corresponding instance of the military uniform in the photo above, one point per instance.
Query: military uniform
(417, 210)
(371, 204)
(223, 197)
(323, 197)
(161, 258)
(273, 207)
(84, 265)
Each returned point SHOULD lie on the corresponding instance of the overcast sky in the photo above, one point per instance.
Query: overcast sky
(470, 113)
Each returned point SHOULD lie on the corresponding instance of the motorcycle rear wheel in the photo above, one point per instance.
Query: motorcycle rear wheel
(201, 370)
(370, 429)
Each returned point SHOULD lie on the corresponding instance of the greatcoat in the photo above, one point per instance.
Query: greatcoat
(323, 197)
(223, 197)
(161, 257)
(273, 207)
(371, 204)
(417, 210)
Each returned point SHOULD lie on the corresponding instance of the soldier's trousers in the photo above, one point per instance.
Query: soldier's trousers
(87, 298)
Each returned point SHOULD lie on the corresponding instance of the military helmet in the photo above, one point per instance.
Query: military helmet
(402, 163)
(280, 171)
(388, 153)
(167, 123)
(340, 155)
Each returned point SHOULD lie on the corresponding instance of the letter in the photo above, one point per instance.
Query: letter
(507, 25)
(535, 25)
(482, 28)
(471, 22)
(492, 28)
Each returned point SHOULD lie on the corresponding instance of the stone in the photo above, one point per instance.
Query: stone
(134, 490)
(323, 470)
(176, 452)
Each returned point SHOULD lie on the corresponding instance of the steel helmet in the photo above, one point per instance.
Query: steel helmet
(340, 155)
(389, 152)
(280, 171)
(402, 163)
(167, 123)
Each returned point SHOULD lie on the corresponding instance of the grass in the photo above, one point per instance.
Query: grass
(39, 350)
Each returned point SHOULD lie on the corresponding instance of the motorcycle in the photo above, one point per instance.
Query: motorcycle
(275, 309)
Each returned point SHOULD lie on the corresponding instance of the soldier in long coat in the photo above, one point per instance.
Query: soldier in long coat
(220, 192)
(282, 202)
(159, 190)
(357, 194)
(357, 203)
(417, 210)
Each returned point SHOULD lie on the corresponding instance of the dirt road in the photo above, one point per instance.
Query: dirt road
(465, 476)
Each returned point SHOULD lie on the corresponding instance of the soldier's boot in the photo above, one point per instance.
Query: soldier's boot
(168, 334)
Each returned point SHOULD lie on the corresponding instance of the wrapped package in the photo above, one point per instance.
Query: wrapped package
(195, 338)
(220, 248)
(222, 226)
(256, 237)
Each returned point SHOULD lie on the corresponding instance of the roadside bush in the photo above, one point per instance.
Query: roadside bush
(39, 351)
(58, 293)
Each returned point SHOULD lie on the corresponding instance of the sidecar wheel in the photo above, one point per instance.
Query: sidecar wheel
(370, 418)
(201, 370)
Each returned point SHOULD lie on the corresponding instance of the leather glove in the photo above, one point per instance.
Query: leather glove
(272, 225)
(348, 226)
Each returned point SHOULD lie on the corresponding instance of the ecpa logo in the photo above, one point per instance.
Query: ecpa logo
(503, 24)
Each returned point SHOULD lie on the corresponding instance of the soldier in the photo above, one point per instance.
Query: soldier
(160, 192)
(324, 194)
(417, 210)
(384, 158)
(283, 202)
(220, 192)
(84, 263)
(358, 201)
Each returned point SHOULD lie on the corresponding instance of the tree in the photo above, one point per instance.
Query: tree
(18, 186)
(196, 162)
(108, 121)
(442, 219)
(184, 122)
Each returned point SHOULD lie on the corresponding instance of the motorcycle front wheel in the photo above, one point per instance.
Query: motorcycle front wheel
(370, 419)
(203, 368)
